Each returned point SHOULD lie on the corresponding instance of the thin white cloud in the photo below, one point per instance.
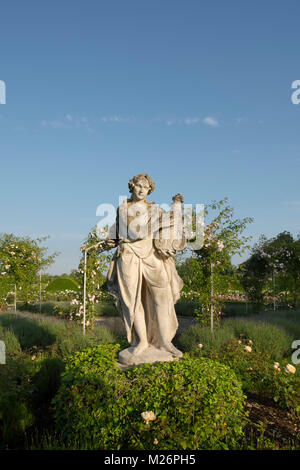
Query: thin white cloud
(57, 124)
(72, 122)
(243, 120)
(170, 122)
(68, 122)
(292, 203)
(189, 121)
(210, 121)
(117, 119)
(239, 121)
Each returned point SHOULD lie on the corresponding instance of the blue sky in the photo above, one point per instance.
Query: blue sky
(197, 94)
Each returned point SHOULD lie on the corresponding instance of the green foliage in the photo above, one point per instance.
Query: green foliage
(191, 273)
(287, 320)
(29, 332)
(61, 309)
(255, 366)
(198, 404)
(209, 272)
(21, 259)
(16, 414)
(234, 309)
(284, 387)
(257, 374)
(61, 284)
(27, 386)
(267, 338)
(192, 337)
(12, 344)
(57, 338)
(46, 381)
(187, 308)
(49, 308)
(106, 309)
(273, 270)
(65, 310)
(35, 353)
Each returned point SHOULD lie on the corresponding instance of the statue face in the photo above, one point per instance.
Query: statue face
(140, 190)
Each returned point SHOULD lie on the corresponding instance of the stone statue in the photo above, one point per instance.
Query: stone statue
(142, 276)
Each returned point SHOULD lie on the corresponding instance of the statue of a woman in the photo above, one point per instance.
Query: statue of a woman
(142, 276)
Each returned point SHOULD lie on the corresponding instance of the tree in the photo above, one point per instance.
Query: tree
(21, 259)
(192, 274)
(253, 274)
(272, 272)
(222, 239)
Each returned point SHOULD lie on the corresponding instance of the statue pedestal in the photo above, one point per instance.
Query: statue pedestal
(149, 355)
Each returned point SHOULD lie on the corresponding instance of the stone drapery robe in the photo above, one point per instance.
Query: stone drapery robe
(142, 276)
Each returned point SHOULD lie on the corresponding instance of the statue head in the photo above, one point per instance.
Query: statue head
(142, 185)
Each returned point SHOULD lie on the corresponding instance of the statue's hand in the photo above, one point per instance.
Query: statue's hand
(167, 253)
(178, 198)
(109, 244)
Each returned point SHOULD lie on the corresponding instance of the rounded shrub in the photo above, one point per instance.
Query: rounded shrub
(61, 284)
(196, 403)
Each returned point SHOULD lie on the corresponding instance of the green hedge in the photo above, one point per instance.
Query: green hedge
(230, 309)
(198, 403)
(186, 308)
(61, 284)
(50, 308)
(63, 309)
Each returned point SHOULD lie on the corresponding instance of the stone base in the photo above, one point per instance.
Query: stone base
(151, 354)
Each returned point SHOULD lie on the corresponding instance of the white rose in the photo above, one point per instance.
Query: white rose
(148, 416)
(290, 369)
